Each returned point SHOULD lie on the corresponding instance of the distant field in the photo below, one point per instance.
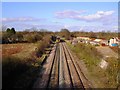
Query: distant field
(20, 50)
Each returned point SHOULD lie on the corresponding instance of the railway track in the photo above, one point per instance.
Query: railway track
(60, 70)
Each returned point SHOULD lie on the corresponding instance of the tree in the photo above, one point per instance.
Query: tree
(92, 35)
(13, 30)
(9, 36)
(65, 33)
(8, 30)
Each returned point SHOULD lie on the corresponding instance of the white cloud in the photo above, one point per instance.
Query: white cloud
(99, 15)
(68, 13)
(20, 19)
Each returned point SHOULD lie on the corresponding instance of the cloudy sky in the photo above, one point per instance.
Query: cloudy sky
(75, 16)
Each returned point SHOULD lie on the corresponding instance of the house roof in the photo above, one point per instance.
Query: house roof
(98, 40)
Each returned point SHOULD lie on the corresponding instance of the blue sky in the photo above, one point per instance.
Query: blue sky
(75, 16)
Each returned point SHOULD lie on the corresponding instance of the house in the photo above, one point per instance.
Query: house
(83, 38)
(94, 43)
(98, 40)
(114, 41)
(102, 42)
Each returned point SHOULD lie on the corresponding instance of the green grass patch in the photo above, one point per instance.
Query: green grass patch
(87, 53)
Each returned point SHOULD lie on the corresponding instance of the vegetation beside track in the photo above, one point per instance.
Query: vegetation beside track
(91, 57)
(22, 67)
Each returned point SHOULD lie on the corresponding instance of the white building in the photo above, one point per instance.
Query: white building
(83, 38)
(98, 40)
(113, 41)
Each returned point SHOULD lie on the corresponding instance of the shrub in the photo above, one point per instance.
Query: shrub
(32, 38)
(19, 37)
(45, 43)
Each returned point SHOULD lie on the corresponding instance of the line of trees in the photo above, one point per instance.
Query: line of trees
(11, 36)
(69, 35)
(103, 34)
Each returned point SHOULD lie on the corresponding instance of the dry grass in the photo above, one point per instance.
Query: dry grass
(9, 49)
(21, 50)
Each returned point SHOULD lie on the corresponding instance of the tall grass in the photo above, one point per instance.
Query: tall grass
(112, 72)
(87, 53)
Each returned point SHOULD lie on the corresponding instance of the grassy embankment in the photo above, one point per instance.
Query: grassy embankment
(91, 57)
(21, 64)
